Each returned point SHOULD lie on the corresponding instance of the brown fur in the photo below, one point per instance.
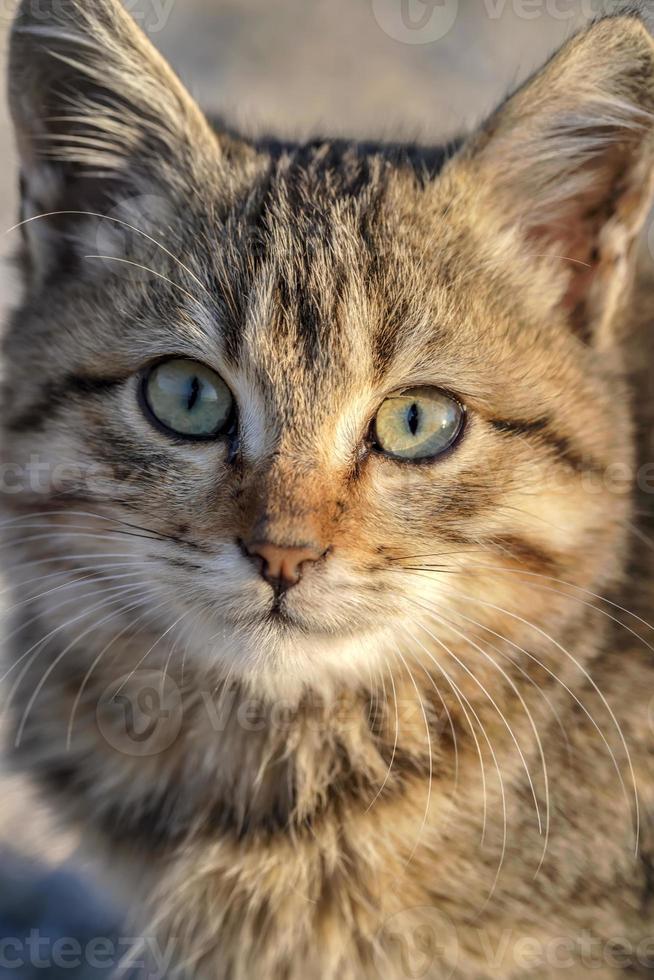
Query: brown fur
(450, 723)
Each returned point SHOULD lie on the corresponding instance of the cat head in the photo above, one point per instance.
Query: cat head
(327, 405)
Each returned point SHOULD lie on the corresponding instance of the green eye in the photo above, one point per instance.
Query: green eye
(418, 424)
(188, 399)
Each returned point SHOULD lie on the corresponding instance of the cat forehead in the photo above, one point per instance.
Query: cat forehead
(319, 323)
(321, 268)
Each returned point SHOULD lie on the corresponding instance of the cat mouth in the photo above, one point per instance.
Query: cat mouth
(278, 614)
(275, 614)
(279, 617)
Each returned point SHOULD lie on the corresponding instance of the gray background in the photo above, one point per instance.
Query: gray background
(297, 67)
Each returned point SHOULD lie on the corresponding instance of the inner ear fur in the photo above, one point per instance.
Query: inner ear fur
(101, 118)
(569, 162)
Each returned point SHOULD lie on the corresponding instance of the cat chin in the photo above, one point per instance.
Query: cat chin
(274, 662)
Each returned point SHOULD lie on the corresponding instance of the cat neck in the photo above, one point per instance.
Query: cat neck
(154, 757)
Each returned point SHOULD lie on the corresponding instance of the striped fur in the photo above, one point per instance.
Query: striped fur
(453, 670)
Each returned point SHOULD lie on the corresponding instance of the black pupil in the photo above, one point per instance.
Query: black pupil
(413, 419)
(194, 394)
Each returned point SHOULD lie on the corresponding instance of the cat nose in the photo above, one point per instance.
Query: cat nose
(282, 566)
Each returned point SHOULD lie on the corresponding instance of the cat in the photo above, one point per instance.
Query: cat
(325, 482)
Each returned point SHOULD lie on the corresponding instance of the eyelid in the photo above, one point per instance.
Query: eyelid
(155, 359)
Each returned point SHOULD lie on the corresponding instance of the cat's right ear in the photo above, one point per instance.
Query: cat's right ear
(567, 166)
(100, 119)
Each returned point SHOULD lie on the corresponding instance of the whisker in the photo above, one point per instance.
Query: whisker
(516, 666)
(127, 629)
(393, 753)
(118, 221)
(29, 515)
(593, 684)
(73, 558)
(463, 701)
(549, 578)
(79, 574)
(452, 730)
(203, 607)
(67, 535)
(152, 648)
(37, 648)
(33, 619)
(145, 268)
(60, 656)
(60, 588)
(73, 531)
(534, 728)
(547, 670)
(503, 719)
(431, 761)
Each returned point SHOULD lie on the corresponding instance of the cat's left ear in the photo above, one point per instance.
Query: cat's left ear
(100, 119)
(568, 163)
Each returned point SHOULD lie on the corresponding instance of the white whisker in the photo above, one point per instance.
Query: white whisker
(532, 723)
(463, 700)
(118, 221)
(431, 761)
(505, 722)
(393, 753)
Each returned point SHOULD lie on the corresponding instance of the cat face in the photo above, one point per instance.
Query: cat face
(327, 405)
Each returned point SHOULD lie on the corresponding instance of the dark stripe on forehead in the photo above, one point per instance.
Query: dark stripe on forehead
(298, 221)
(327, 172)
(240, 248)
(425, 161)
(541, 431)
(54, 395)
(390, 333)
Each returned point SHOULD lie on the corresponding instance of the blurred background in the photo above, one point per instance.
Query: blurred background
(414, 69)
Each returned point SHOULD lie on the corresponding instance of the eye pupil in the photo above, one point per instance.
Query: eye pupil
(418, 424)
(187, 398)
(413, 419)
(194, 394)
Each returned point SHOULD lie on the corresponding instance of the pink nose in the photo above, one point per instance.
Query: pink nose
(280, 566)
